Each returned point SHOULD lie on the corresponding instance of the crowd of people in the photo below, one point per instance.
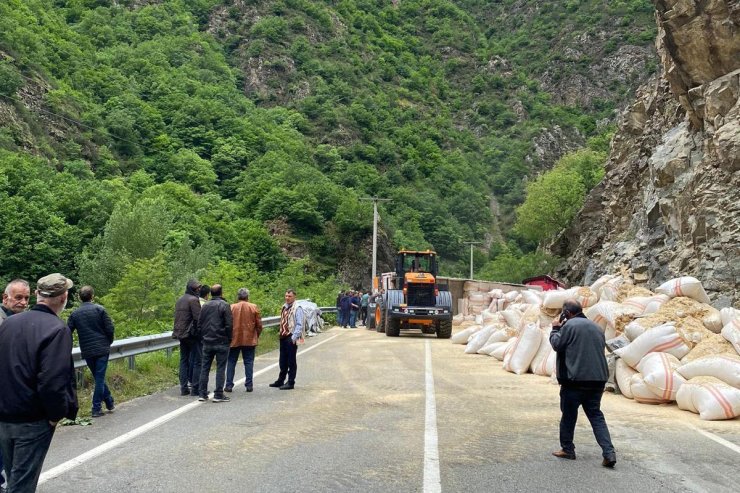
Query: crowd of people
(37, 371)
(351, 307)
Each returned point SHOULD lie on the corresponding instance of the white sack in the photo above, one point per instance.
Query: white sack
(531, 297)
(596, 286)
(512, 296)
(501, 350)
(727, 315)
(478, 340)
(659, 374)
(463, 336)
(585, 296)
(713, 400)
(541, 362)
(633, 330)
(638, 303)
(723, 367)
(684, 286)
(496, 293)
(663, 338)
(624, 376)
(555, 298)
(641, 392)
(518, 357)
(731, 332)
(610, 289)
(513, 317)
(712, 320)
(655, 303)
(489, 348)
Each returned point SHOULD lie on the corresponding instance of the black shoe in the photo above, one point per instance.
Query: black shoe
(221, 398)
(287, 386)
(97, 414)
(276, 384)
(111, 407)
(228, 389)
(185, 392)
(203, 398)
(562, 454)
(250, 389)
(609, 461)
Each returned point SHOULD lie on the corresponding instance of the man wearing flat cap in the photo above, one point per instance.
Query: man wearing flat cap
(36, 382)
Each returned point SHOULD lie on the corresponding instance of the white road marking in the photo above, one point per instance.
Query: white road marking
(717, 439)
(432, 482)
(126, 437)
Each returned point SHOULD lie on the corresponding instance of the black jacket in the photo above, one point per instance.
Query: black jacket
(216, 322)
(580, 346)
(187, 313)
(94, 329)
(36, 369)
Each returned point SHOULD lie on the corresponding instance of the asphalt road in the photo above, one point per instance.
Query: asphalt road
(362, 419)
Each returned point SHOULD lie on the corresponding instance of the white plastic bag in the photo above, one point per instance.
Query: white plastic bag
(518, 358)
(655, 303)
(500, 352)
(723, 367)
(659, 374)
(642, 393)
(532, 297)
(684, 286)
(555, 298)
(663, 338)
(711, 398)
(489, 348)
(541, 362)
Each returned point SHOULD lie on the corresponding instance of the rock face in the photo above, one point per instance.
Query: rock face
(669, 203)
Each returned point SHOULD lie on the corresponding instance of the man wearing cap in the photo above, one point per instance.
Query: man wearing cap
(187, 313)
(36, 382)
(95, 332)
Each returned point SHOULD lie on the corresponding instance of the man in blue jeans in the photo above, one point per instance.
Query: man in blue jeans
(95, 331)
(215, 325)
(582, 372)
(247, 327)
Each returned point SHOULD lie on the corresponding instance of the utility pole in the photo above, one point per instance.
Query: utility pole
(375, 232)
(471, 243)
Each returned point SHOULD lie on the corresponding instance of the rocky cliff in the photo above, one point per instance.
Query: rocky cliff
(669, 203)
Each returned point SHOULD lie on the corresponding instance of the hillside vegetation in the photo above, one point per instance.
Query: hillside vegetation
(143, 142)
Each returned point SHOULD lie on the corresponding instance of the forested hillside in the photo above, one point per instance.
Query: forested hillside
(161, 139)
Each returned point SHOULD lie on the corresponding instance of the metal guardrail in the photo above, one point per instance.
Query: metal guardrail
(132, 346)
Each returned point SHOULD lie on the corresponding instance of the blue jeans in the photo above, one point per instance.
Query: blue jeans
(98, 366)
(221, 353)
(247, 353)
(190, 361)
(24, 446)
(590, 399)
(343, 318)
(288, 361)
(352, 318)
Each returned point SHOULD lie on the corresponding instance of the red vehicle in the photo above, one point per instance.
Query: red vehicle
(545, 282)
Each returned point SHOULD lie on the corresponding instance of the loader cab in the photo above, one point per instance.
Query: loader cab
(409, 261)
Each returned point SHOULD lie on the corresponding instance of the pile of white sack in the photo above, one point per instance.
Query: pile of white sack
(479, 298)
(665, 346)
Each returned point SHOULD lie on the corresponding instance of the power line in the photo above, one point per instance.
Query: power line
(72, 120)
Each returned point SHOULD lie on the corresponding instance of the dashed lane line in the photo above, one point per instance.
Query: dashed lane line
(126, 437)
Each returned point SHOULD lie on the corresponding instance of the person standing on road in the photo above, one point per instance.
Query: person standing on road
(244, 339)
(345, 304)
(364, 300)
(215, 327)
(187, 313)
(36, 382)
(354, 308)
(582, 372)
(291, 334)
(95, 332)
(203, 294)
(15, 300)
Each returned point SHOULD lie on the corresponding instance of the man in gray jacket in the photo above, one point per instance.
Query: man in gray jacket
(215, 325)
(582, 373)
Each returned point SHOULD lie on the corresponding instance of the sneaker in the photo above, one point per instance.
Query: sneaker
(203, 398)
(185, 392)
(110, 405)
(250, 389)
(228, 389)
(97, 414)
(221, 398)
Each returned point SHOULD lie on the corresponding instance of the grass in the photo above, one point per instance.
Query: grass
(154, 372)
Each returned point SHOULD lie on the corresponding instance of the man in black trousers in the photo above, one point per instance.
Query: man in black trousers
(582, 373)
(215, 326)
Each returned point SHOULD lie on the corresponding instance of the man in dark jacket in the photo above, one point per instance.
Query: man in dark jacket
(15, 298)
(36, 382)
(582, 372)
(187, 313)
(95, 332)
(345, 306)
(215, 327)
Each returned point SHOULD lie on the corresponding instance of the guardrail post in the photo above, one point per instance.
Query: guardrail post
(168, 352)
(131, 363)
(79, 377)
